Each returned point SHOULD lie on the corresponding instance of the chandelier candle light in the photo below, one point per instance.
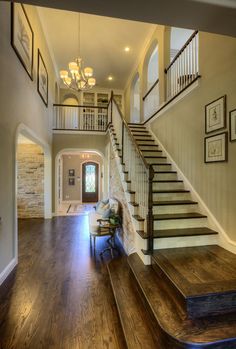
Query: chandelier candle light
(78, 78)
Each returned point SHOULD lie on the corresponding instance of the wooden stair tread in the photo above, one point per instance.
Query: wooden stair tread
(174, 202)
(148, 145)
(165, 172)
(214, 269)
(154, 157)
(143, 134)
(135, 204)
(162, 164)
(205, 278)
(130, 191)
(170, 191)
(170, 216)
(180, 232)
(136, 323)
(138, 218)
(144, 139)
(168, 181)
(150, 151)
(171, 316)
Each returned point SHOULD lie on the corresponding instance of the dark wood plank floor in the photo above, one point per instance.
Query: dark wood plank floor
(59, 296)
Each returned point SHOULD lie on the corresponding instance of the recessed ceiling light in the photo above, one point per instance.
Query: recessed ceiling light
(127, 49)
(110, 78)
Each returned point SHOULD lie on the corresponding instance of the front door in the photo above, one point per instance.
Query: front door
(90, 182)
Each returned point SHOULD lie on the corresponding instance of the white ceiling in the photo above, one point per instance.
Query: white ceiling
(103, 40)
(216, 16)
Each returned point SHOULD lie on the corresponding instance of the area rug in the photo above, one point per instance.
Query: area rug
(79, 209)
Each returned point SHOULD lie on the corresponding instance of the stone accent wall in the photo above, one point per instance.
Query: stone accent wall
(127, 234)
(30, 177)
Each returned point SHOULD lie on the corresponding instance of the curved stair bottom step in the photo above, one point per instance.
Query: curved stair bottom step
(137, 324)
(178, 332)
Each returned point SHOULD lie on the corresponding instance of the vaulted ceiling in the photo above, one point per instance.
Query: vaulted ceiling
(102, 43)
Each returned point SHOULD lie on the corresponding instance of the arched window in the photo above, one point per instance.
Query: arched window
(151, 74)
(135, 100)
(152, 68)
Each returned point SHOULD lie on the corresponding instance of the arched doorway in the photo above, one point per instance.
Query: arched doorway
(90, 175)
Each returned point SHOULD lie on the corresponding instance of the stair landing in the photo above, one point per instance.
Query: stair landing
(205, 277)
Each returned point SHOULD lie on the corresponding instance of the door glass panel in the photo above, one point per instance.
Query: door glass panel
(90, 179)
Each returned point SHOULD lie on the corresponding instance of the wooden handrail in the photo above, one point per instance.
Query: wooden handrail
(131, 136)
(181, 50)
(80, 106)
(151, 88)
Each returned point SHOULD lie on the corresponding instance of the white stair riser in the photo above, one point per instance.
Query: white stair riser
(156, 160)
(127, 186)
(148, 147)
(130, 197)
(151, 153)
(165, 176)
(145, 142)
(186, 241)
(139, 225)
(141, 136)
(180, 223)
(168, 186)
(162, 167)
(124, 176)
(171, 196)
(165, 209)
(134, 210)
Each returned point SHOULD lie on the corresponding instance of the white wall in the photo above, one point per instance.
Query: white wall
(20, 103)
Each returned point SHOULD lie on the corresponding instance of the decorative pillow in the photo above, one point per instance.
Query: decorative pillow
(102, 208)
(106, 213)
(98, 204)
(105, 201)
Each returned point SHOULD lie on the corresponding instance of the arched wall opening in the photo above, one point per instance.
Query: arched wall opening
(151, 98)
(69, 176)
(25, 136)
(135, 100)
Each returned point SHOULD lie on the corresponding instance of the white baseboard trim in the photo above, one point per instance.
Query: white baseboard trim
(7, 271)
(223, 239)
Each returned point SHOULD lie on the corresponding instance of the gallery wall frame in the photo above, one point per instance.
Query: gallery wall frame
(232, 125)
(42, 79)
(71, 172)
(216, 148)
(22, 37)
(215, 115)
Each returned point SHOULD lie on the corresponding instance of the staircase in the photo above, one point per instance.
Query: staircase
(185, 297)
(163, 211)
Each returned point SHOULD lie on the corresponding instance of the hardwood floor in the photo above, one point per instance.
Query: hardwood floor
(59, 296)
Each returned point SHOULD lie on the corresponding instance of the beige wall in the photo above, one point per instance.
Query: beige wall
(30, 177)
(19, 103)
(74, 192)
(182, 130)
(80, 142)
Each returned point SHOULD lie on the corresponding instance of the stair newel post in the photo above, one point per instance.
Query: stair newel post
(123, 141)
(150, 221)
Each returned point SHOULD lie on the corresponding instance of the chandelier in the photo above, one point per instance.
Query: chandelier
(78, 78)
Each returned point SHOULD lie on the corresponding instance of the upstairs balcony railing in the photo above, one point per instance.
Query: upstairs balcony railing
(80, 118)
(184, 68)
(140, 173)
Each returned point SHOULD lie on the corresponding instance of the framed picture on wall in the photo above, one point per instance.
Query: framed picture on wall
(232, 123)
(71, 181)
(216, 148)
(215, 115)
(42, 79)
(22, 37)
(71, 172)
